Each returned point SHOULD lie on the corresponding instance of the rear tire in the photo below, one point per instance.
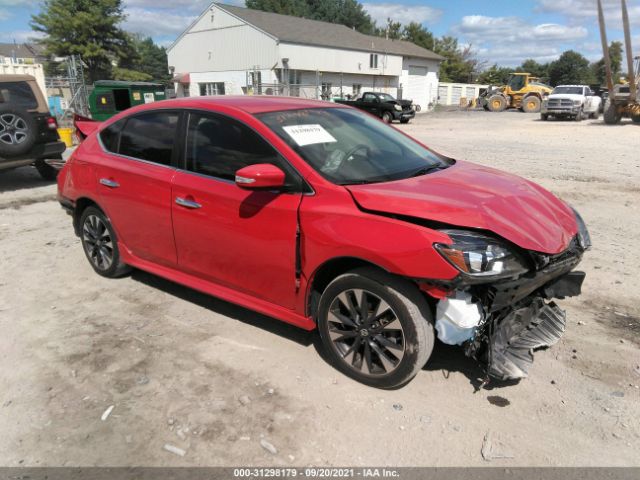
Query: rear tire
(531, 104)
(18, 131)
(497, 103)
(376, 328)
(611, 114)
(387, 117)
(100, 244)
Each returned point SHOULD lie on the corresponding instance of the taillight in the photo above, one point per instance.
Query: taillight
(52, 123)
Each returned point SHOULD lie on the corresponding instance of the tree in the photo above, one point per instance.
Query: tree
(540, 70)
(144, 60)
(297, 8)
(416, 33)
(570, 68)
(393, 30)
(495, 75)
(350, 13)
(460, 64)
(89, 28)
(598, 68)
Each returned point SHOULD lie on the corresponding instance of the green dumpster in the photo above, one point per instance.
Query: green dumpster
(113, 96)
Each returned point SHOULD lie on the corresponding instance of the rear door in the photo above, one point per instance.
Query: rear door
(134, 182)
(237, 238)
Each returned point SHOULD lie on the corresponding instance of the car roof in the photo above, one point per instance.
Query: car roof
(249, 103)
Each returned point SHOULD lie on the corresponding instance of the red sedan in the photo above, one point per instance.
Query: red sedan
(324, 217)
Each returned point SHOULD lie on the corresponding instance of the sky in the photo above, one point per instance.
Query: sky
(505, 32)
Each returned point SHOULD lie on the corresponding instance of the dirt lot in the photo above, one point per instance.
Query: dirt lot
(213, 379)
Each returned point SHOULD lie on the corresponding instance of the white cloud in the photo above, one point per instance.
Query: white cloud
(156, 23)
(480, 28)
(404, 14)
(20, 36)
(579, 11)
(18, 3)
(510, 40)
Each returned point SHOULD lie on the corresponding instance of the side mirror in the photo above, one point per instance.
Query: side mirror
(262, 176)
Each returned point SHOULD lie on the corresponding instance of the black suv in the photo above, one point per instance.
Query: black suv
(28, 133)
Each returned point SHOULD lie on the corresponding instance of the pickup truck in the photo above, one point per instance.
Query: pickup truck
(571, 101)
(384, 106)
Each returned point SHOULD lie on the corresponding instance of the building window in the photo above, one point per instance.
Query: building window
(211, 89)
(357, 88)
(373, 60)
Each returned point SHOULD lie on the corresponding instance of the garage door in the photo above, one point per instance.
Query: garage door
(417, 87)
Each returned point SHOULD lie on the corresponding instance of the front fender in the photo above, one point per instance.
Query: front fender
(333, 226)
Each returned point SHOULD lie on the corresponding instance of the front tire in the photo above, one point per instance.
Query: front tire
(544, 117)
(531, 104)
(497, 103)
(100, 244)
(404, 120)
(387, 117)
(376, 328)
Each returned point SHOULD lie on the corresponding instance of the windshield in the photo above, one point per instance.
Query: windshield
(568, 90)
(348, 146)
(385, 97)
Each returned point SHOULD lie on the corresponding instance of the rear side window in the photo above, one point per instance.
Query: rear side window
(150, 136)
(218, 146)
(110, 136)
(18, 94)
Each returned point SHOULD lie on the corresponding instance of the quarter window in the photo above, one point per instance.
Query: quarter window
(18, 94)
(110, 136)
(218, 146)
(150, 136)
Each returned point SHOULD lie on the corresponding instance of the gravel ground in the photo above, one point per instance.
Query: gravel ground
(226, 386)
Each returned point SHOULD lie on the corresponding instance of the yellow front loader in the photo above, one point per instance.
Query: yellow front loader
(624, 98)
(522, 91)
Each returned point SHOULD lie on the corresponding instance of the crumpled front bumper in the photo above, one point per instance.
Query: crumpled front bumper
(519, 334)
(520, 316)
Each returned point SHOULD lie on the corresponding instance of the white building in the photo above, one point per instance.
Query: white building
(235, 50)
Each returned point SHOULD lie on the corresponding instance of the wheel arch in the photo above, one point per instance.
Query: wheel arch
(327, 272)
(81, 205)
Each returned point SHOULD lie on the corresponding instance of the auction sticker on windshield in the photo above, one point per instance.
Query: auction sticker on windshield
(309, 134)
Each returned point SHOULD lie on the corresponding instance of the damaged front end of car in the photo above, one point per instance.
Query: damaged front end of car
(500, 307)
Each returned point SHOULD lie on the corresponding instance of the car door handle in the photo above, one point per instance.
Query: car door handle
(183, 202)
(109, 183)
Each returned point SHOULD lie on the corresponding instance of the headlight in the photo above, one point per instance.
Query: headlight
(577, 103)
(584, 239)
(479, 255)
(397, 107)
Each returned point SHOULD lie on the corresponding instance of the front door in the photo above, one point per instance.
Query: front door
(134, 184)
(236, 238)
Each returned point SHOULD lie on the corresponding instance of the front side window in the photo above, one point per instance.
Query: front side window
(348, 146)
(150, 136)
(218, 146)
(18, 94)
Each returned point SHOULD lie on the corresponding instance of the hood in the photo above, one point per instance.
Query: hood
(469, 195)
(403, 103)
(567, 96)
